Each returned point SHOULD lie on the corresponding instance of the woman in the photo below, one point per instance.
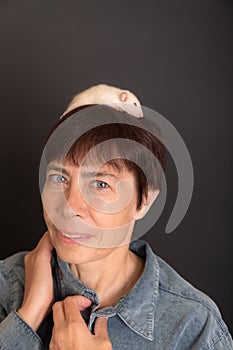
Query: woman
(100, 172)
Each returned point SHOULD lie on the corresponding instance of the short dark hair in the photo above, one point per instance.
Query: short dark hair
(72, 141)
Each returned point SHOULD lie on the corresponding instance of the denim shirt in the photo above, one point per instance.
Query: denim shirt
(161, 312)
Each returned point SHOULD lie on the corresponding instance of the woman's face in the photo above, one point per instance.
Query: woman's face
(89, 210)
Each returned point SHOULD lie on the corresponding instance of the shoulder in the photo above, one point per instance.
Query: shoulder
(14, 263)
(188, 309)
(175, 286)
(12, 279)
(12, 268)
(183, 315)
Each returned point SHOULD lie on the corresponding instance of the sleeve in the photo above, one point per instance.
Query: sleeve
(223, 343)
(16, 334)
(210, 331)
(204, 329)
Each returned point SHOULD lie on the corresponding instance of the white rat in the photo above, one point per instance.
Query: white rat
(110, 95)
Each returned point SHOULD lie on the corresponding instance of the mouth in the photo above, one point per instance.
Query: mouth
(72, 235)
(70, 238)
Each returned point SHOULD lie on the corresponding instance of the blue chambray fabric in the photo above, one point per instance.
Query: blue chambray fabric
(161, 312)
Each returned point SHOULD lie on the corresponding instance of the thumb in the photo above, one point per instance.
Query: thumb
(82, 302)
(101, 328)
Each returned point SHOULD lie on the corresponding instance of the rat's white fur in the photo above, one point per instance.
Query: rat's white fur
(109, 95)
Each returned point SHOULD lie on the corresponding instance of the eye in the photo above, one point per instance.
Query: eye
(58, 179)
(135, 104)
(100, 184)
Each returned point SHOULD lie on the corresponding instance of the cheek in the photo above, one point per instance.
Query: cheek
(46, 217)
(51, 200)
(118, 219)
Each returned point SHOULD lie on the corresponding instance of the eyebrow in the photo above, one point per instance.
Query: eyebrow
(58, 169)
(89, 174)
(100, 174)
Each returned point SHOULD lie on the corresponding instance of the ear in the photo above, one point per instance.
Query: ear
(124, 96)
(145, 207)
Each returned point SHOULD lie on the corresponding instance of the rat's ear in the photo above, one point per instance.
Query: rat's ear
(146, 204)
(124, 96)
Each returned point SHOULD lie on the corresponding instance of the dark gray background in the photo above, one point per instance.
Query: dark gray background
(177, 57)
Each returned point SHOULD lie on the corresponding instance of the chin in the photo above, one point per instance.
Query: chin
(80, 254)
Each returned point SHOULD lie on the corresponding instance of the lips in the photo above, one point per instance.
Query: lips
(73, 236)
(70, 238)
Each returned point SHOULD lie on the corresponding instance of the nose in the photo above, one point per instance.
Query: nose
(74, 203)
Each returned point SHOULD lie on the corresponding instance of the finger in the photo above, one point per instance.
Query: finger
(44, 247)
(82, 302)
(45, 242)
(58, 313)
(72, 305)
(101, 328)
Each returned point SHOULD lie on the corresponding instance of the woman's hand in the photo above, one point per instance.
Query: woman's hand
(70, 332)
(38, 293)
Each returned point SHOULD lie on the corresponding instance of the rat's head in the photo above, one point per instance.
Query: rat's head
(130, 103)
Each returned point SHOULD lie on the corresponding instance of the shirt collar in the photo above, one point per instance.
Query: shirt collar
(137, 308)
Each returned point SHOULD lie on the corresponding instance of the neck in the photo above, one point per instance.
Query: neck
(112, 276)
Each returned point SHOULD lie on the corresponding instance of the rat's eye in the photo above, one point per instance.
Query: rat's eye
(135, 104)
